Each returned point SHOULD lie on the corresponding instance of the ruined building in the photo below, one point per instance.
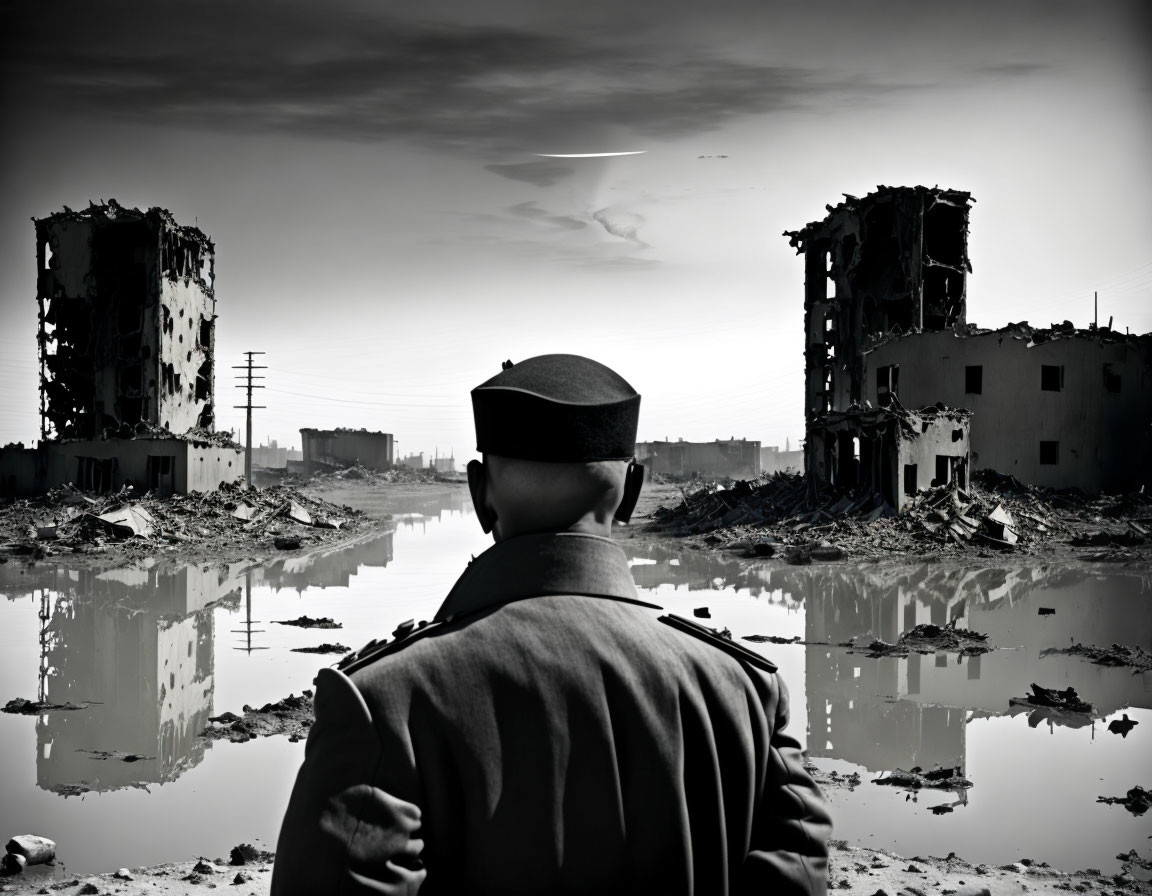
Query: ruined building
(725, 458)
(336, 449)
(127, 340)
(886, 330)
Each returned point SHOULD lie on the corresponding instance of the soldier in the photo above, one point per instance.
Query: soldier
(550, 732)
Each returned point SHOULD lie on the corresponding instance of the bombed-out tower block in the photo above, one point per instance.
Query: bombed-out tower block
(127, 342)
(127, 316)
(893, 262)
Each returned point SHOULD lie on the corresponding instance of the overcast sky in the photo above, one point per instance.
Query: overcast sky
(388, 233)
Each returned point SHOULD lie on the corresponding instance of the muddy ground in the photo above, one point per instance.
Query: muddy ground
(854, 870)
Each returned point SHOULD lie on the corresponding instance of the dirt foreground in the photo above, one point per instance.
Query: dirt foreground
(855, 870)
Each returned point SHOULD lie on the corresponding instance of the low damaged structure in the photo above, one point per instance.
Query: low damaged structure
(889, 451)
(1056, 406)
(127, 351)
(729, 459)
(336, 449)
(885, 328)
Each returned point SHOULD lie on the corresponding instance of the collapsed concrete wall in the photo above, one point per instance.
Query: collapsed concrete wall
(127, 321)
(731, 458)
(1055, 407)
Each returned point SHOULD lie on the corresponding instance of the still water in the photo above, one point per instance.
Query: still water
(157, 647)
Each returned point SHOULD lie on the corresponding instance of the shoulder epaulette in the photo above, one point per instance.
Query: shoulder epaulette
(405, 634)
(716, 640)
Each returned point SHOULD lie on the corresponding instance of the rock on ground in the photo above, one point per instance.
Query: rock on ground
(855, 871)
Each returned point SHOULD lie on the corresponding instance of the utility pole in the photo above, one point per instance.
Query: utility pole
(249, 407)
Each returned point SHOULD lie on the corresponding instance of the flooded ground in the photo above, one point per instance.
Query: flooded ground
(152, 649)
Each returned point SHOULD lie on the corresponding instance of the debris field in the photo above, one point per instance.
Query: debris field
(784, 516)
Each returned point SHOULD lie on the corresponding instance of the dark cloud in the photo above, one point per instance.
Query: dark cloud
(541, 173)
(356, 75)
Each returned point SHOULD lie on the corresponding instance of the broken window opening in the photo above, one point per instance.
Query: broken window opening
(910, 479)
(887, 383)
(167, 374)
(205, 340)
(974, 379)
(1051, 377)
(945, 229)
(204, 381)
(47, 255)
(1111, 379)
(957, 435)
(94, 474)
(161, 473)
(943, 468)
(166, 323)
(1050, 453)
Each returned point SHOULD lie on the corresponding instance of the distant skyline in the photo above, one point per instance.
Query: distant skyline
(399, 200)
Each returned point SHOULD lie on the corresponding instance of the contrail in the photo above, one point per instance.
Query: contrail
(587, 155)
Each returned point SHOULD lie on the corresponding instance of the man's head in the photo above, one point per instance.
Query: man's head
(557, 433)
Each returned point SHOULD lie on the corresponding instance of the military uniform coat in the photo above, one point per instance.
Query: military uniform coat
(549, 734)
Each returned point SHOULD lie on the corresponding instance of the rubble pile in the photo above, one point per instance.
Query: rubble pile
(929, 638)
(1066, 700)
(916, 778)
(785, 515)
(230, 520)
(291, 716)
(1117, 655)
(370, 476)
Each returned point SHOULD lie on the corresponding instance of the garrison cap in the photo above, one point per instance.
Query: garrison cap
(556, 408)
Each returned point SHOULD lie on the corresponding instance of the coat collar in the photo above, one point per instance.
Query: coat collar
(537, 565)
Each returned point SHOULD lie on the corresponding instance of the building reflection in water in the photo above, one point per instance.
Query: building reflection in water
(901, 713)
(136, 643)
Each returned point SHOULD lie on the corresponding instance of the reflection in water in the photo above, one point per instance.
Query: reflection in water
(329, 568)
(137, 644)
(905, 712)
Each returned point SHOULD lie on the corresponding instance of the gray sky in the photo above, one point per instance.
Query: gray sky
(387, 233)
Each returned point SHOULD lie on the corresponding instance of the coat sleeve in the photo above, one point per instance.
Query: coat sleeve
(789, 849)
(341, 834)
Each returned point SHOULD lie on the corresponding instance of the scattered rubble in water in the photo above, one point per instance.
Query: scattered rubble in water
(309, 622)
(783, 516)
(230, 521)
(1137, 800)
(291, 716)
(116, 754)
(20, 706)
(770, 639)
(1122, 726)
(929, 638)
(323, 648)
(916, 779)
(1066, 700)
(1117, 655)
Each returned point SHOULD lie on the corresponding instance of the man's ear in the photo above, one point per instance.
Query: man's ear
(633, 482)
(478, 486)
